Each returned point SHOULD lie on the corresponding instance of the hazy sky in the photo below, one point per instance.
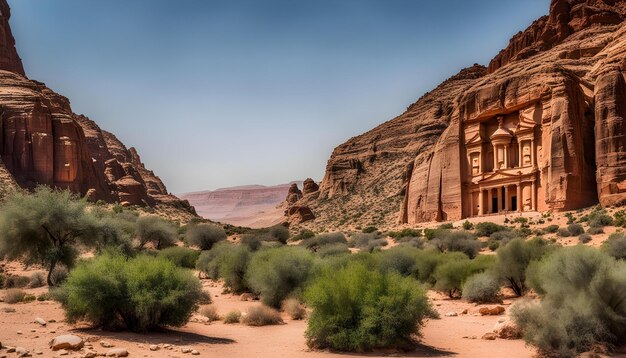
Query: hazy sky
(233, 92)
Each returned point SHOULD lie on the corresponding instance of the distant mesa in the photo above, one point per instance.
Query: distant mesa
(253, 206)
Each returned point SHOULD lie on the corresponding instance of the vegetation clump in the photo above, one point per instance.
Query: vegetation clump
(277, 273)
(262, 316)
(204, 236)
(46, 227)
(514, 258)
(160, 233)
(357, 308)
(137, 294)
(181, 256)
(582, 303)
(482, 288)
(228, 262)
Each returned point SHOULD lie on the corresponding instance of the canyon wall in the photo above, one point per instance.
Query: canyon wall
(42, 142)
(559, 93)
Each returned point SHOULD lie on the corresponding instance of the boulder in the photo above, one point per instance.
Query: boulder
(491, 311)
(117, 352)
(68, 341)
(507, 329)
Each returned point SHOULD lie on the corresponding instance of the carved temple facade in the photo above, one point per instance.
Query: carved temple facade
(501, 171)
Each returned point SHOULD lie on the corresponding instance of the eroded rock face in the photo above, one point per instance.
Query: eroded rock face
(559, 89)
(310, 187)
(43, 142)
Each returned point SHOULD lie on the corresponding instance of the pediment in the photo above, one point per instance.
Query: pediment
(476, 139)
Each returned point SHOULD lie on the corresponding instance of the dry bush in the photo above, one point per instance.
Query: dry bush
(233, 316)
(14, 295)
(210, 312)
(37, 279)
(262, 316)
(294, 309)
(15, 281)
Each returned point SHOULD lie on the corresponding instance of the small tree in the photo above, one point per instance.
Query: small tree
(514, 258)
(46, 227)
(153, 229)
(204, 236)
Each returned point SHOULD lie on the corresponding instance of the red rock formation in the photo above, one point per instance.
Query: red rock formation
(559, 90)
(9, 60)
(309, 187)
(566, 17)
(294, 194)
(43, 142)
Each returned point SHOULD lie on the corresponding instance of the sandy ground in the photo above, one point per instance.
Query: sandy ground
(458, 336)
(449, 336)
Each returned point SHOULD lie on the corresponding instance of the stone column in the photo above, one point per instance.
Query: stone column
(506, 198)
(519, 198)
(481, 202)
(532, 153)
(489, 201)
(506, 156)
(533, 198)
(495, 157)
(519, 155)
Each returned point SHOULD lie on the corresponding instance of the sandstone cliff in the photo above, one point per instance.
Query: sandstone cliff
(564, 77)
(43, 142)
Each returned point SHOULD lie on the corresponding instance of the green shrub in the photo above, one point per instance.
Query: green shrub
(316, 242)
(16, 281)
(138, 294)
(584, 238)
(181, 256)
(358, 309)
(262, 316)
(482, 288)
(600, 220)
(228, 262)
(415, 242)
(446, 226)
(504, 235)
(210, 312)
(253, 242)
(333, 250)
(457, 241)
(514, 258)
(279, 233)
(46, 227)
(367, 242)
(487, 228)
(595, 230)
(303, 235)
(620, 218)
(405, 233)
(467, 225)
(493, 245)
(29, 298)
(204, 236)
(277, 273)
(294, 309)
(14, 295)
(564, 232)
(582, 306)
(160, 233)
(575, 229)
(615, 246)
(399, 259)
(451, 275)
(232, 317)
(36, 280)
(370, 230)
(552, 229)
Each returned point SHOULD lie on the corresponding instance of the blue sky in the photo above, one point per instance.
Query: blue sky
(235, 92)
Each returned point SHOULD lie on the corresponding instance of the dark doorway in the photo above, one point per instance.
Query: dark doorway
(494, 204)
(514, 203)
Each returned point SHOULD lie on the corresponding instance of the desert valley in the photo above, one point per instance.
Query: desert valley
(487, 220)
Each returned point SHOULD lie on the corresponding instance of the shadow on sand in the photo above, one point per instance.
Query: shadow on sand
(165, 336)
